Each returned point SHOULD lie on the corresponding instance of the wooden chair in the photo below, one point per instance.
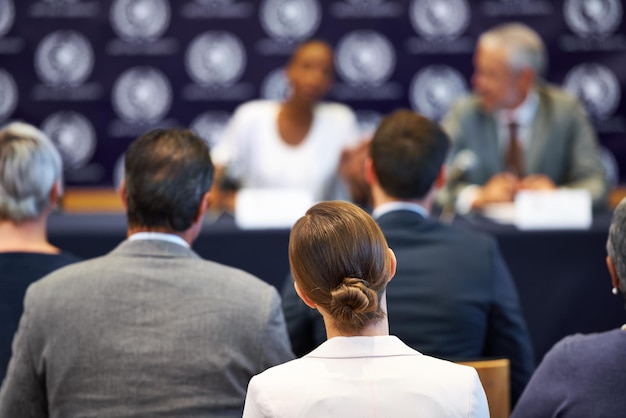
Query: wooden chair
(495, 376)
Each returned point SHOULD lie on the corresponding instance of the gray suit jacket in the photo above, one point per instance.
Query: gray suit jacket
(563, 145)
(149, 330)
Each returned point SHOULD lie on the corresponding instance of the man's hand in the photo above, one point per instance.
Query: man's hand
(537, 182)
(500, 188)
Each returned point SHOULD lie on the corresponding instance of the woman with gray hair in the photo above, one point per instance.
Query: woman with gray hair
(30, 188)
(584, 375)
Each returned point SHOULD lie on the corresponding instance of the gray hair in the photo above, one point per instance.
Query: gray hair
(616, 244)
(524, 46)
(29, 166)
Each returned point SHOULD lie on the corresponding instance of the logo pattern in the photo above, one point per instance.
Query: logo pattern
(209, 126)
(140, 20)
(365, 58)
(73, 135)
(439, 18)
(597, 88)
(290, 19)
(215, 58)
(8, 95)
(275, 86)
(593, 17)
(435, 88)
(7, 16)
(142, 95)
(64, 59)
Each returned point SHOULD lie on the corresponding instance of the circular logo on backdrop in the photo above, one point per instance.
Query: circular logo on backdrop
(138, 20)
(439, 18)
(275, 86)
(291, 19)
(597, 88)
(209, 126)
(434, 88)
(73, 135)
(593, 17)
(7, 16)
(365, 57)
(8, 95)
(142, 95)
(64, 58)
(215, 58)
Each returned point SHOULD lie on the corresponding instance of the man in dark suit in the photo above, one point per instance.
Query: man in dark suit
(149, 329)
(453, 296)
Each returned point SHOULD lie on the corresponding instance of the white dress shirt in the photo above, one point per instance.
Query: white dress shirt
(160, 236)
(366, 377)
(523, 116)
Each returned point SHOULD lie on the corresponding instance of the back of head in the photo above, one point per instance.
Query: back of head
(341, 261)
(616, 243)
(29, 166)
(525, 47)
(407, 152)
(168, 171)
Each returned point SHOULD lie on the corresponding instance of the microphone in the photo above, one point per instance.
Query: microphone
(464, 161)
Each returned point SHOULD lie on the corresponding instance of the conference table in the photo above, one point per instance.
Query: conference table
(561, 275)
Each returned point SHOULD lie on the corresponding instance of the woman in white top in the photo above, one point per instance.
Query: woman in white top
(295, 144)
(341, 265)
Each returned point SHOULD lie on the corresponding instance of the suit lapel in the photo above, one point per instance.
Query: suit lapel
(539, 134)
(491, 155)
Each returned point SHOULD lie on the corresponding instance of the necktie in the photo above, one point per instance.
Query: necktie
(514, 157)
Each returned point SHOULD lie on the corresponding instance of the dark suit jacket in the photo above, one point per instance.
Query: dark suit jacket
(148, 330)
(452, 297)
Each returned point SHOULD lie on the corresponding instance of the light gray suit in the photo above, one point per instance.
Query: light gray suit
(149, 330)
(563, 145)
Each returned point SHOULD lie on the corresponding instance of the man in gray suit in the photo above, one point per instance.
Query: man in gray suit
(150, 329)
(515, 132)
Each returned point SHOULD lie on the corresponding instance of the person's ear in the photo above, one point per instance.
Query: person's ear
(370, 173)
(55, 194)
(122, 193)
(393, 264)
(527, 78)
(611, 266)
(440, 181)
(308, 302)
(206, 201)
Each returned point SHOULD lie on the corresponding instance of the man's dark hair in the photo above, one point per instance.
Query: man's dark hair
(168, 171)
(408, 151)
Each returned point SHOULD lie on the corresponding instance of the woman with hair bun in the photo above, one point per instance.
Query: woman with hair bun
(341, 265)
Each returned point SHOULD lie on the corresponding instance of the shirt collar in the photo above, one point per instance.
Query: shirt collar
(522, 114)
(159, 236)
(393, 206)
(362, 346)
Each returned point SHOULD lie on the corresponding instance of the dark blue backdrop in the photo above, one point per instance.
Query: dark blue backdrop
(95, 74)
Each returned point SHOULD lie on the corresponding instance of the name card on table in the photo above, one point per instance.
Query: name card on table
(271, 208)
(554, 209)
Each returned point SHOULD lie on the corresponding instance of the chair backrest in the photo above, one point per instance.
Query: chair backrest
(495, 377)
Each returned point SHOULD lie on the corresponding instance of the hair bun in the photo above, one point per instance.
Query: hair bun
(352, 300)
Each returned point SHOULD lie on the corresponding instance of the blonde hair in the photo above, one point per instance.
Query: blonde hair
(29, 166)
(340, 260)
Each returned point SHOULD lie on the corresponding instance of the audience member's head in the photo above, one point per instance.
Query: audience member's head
(168, 173)
(509, 60)
(310, 71)
(341, 262)
(616, 247)
(31, 173)
(407, 154)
